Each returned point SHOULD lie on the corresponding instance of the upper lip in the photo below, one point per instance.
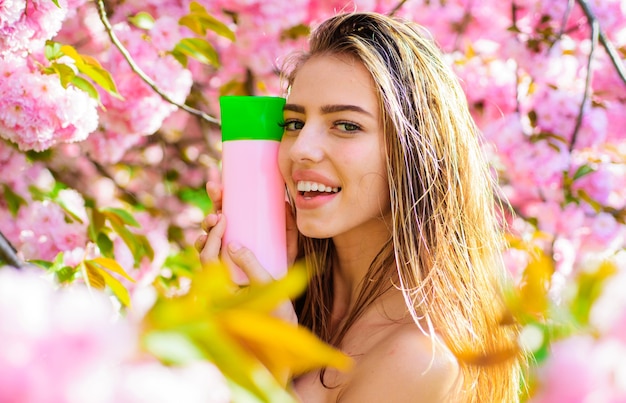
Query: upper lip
(313, 176)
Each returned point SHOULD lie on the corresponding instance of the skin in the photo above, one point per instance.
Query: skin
(333, 135)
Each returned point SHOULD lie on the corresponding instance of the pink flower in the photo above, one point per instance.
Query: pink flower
(36, 112)
(152, 382)
(57, 345)
(44, 232)
(27, 28)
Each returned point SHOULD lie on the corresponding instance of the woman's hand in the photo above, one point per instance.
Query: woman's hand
(210, 245)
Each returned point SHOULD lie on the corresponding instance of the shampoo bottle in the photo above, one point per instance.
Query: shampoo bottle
(253, 198)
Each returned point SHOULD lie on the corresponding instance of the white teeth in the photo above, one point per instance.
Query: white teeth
(306, 186)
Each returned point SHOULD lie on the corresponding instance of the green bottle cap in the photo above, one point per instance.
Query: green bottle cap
(251, 117)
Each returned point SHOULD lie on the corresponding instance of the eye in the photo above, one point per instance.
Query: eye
(347, 126)
(291, 125)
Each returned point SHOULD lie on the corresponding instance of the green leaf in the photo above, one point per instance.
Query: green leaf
(180, 57)
(142, 20)
(56, 3)
(129, 239)
(123, 215)
(590, 287)
(198, 49)
(185, 261)
(196, 197)
(101, 77)
(582, 171)
(172, 347)
(86, 86)
(52, 50)
(65, 274)
(199, 21)
(105, 245)
(41, 263)
(13, 200)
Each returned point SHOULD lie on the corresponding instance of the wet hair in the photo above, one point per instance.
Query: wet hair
(444, 251)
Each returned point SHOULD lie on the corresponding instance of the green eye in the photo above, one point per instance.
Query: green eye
(292, 125)
(348, 127)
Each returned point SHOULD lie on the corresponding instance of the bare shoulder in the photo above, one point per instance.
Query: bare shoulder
(405, 366)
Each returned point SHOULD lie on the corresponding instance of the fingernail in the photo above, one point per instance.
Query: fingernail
(234, 246)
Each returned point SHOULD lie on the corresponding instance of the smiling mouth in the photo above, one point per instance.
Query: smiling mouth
(312, 189)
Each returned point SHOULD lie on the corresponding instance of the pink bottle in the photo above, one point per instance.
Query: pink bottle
(253, 198)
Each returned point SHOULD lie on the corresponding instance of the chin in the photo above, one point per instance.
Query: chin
(314, 231)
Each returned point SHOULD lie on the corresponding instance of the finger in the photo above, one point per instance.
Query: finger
(211, 250)
(200, 242)
(214, 174)
(209, 222)
(245, 259)
(214, 190)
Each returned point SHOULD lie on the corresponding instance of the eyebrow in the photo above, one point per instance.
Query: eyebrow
(328, 109)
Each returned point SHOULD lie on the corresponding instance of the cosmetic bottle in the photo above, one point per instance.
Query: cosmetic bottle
(253, 199)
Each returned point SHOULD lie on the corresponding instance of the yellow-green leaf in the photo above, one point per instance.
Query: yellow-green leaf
(123, 215)
(142, 20)
(112, 266)
(199, 21)
(71, 52)
(266, 297)
(198, 49)
(172, 347)
(52, 50)
(533, 291)
(101, 77)
(283, 347)
(86, 86)
(92, 276)
(116, 287)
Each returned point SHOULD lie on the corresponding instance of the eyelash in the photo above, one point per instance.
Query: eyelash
(286, 125)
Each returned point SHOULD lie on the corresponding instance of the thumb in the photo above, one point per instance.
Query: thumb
(248, 263)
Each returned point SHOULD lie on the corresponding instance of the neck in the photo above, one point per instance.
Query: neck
(354, 256)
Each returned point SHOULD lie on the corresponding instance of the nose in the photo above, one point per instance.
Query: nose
(307, 146)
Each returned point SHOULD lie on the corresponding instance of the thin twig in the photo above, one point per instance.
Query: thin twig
(397, 8)
(608, 46)
(595, 30)
(116, 42)
(8, 253)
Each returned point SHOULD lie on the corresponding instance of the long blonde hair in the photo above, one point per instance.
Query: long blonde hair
(446, 238)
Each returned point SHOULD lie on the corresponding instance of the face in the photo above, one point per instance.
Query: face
(332, 152)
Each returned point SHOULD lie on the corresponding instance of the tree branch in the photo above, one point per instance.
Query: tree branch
(595, 31)
(8, 253)
(396, 8)
(116, 42)
(608, 46)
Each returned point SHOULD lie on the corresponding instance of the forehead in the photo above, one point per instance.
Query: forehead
(334, 79)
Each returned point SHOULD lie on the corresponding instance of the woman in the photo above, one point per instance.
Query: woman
(394, 207)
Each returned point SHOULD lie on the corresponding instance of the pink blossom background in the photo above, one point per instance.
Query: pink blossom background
(549, 102)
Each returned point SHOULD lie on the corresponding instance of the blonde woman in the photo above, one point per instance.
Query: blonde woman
(394, 208)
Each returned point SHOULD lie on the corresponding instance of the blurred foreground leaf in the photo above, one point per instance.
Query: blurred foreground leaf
(234, 328)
